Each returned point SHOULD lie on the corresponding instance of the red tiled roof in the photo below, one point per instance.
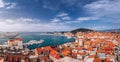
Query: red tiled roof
(20, 39)
(39, 50)
(12, 40)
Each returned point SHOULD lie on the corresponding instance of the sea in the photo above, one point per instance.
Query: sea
(49, 39)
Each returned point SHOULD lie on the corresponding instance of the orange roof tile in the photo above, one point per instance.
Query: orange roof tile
(107, 60)
(39, 50)
(97, 60)
(87, 43)
(90, 48)
(66, 53)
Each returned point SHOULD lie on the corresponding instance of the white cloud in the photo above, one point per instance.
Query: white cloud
(66, 18)
(20, 20)
(81, 19)
(10, 21)
(62, 14)
(55, 20)
(23, 24)
(28, 20)
(7, 5)
(61, 17)
(106, 9)
(11, 5)
(86, 18)
(2, 4)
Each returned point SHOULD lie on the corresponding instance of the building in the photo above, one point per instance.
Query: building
(68, 35)
(11, 43)
(79, 41)
(17, 43)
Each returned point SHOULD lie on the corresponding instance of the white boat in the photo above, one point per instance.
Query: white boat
(34, 42)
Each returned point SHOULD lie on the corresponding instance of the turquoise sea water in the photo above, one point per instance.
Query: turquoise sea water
(49, 39)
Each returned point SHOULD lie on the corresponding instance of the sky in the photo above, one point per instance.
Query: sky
(58, 15)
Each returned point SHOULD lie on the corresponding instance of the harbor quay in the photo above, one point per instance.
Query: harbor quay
(87, 47)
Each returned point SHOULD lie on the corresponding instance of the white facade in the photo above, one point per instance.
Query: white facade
(17, 43)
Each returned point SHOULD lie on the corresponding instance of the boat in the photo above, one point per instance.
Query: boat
(31, 42)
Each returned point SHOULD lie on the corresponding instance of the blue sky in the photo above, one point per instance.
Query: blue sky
(58, 15)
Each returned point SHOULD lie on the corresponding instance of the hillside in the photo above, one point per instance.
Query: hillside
(81, 30)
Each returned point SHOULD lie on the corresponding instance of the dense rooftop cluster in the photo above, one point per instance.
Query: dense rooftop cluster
(87, 47)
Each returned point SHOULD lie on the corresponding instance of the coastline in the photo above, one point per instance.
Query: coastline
(49, 39)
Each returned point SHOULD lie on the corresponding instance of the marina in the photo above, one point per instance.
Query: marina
(40, 39)
(86, 46)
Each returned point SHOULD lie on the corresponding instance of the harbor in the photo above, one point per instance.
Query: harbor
(59, 30)
(87, 46)
(49, 39)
